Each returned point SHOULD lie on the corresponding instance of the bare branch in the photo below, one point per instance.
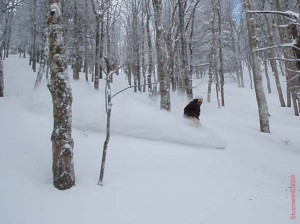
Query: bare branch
(283, 59)
(289, 14)
(129, 87)
(9, 7)
(279, 45)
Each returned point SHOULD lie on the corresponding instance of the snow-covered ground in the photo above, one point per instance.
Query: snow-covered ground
(159, 169)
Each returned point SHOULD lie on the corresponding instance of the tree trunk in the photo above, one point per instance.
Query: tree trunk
(240, 63)
(266, 72)
(34, 30)
(149, 41)
(76, 56)
(183, 56)
(101, 46)
(44, 60)
(221, 71)
(60, 89)
(97, 47)
(235, 56)
(105, 145)
(136, 48)
(86, 67)
(274, 65)
(216, 76)
(191, 40)
(165, 102)
(211, 57)
(258, 85)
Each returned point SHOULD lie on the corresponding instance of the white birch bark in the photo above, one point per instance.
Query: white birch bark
(60, 89)
(164, 85)
(44, 60)
(257, 77)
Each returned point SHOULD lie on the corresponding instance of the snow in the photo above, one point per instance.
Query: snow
(159, 169)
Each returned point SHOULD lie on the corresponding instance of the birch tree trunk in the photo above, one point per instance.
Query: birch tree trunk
(266, 72)
(34, 56)
(257, 77)
(143, 61)
(271, 54)
(97, 47)
(164, 85)
(284, 39)
(235, 55)
(240, 63)
(76, 56)
(102, 34)
(183, 56)
(221, 69)
(86, 67)
(191, 41)
(216, 76)
(44, 60)
(60, 89)
(149, 41)
(136, 48)
(108, 99)
(211, 58)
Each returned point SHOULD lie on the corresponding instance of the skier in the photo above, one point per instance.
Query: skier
(192, 110)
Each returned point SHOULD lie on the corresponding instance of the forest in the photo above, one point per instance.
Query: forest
(74, 70)
(161, 45)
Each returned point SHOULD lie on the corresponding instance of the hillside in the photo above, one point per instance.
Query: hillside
(159, 169)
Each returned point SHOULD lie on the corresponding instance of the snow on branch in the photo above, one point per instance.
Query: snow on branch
(292, 44)
(297, 74)
(283, 59)
(289, 14)
(9, 6)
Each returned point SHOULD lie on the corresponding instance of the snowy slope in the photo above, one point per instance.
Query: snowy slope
(159, 169)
